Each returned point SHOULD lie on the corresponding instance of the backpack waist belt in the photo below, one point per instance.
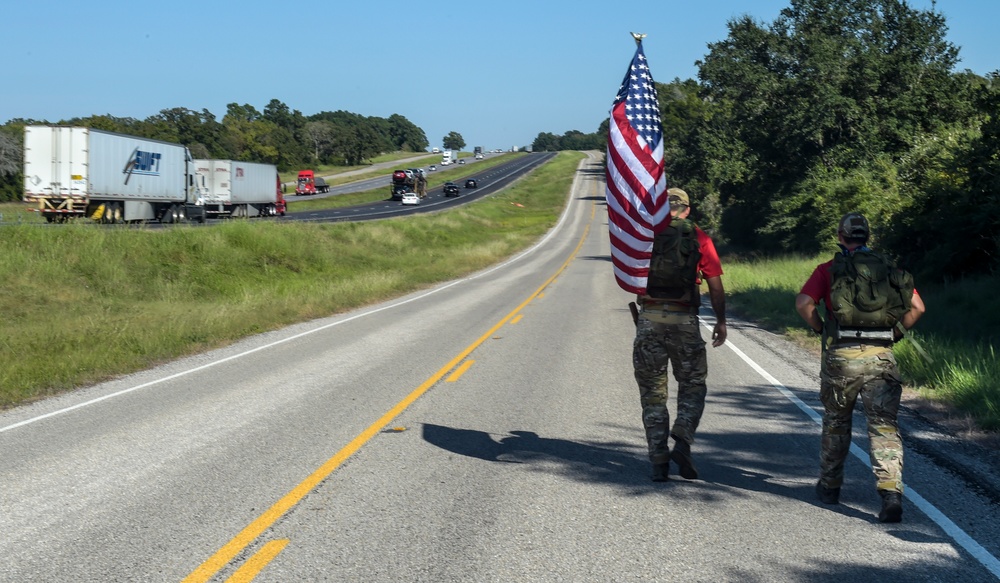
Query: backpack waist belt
(659, 305)
(881, 334)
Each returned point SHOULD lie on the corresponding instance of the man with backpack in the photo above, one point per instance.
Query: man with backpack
(869, 304)
(667, 333)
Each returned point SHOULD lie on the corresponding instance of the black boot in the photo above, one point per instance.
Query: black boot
(827, 495)
(892, 506)
(661, 472)
(682, 457)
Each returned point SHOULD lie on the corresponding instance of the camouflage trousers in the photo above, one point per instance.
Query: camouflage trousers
(871, 372)
(662, 339)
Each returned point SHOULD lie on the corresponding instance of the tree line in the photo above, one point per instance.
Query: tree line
(835, 106)
(276, 135)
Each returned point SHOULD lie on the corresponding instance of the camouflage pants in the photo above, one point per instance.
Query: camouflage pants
(868, 371)
(661, 339)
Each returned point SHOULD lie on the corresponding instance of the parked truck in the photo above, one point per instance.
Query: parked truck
(227, 188)
(83, 172)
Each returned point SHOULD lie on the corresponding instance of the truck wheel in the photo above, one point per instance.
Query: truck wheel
(170, 215)
(114, 213)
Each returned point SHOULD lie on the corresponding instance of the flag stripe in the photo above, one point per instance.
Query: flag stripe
(636, 186)
(626, 137)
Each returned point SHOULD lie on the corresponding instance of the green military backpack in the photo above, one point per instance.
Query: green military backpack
(673, 266)
(868, 292)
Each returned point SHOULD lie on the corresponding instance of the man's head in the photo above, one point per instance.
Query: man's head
(680, 204)
(854, 229)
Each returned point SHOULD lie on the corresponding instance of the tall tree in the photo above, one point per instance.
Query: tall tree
(826, 91)
(322, 138)
(405, 135)
(546, 142)
(11, 166)
(453, 141)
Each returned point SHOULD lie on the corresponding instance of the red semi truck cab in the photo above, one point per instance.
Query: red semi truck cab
(306, 183)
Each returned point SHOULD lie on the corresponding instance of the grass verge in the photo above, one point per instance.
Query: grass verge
(84, 304)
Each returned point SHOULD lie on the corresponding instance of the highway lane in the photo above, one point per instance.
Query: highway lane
(486, 429)
(378, 182)
(490, 180)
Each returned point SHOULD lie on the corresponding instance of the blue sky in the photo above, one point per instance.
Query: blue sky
(497, 72)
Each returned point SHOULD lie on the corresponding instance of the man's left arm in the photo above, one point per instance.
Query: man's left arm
(710, 268)
(717, 294)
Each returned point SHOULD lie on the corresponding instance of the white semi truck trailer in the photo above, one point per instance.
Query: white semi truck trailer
(229, 188)
(108, 177)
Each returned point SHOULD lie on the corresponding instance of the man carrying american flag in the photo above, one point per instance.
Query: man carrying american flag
(661, 256)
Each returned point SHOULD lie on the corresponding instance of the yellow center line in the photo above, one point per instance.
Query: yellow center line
(256, 563)
(223, 556)
(459, 371)
(517, 319)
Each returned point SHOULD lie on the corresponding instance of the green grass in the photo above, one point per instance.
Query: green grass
(958, 332)
(17, 212)
(82, 304)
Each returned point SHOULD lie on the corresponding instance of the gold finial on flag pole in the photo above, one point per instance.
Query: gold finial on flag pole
(638, 36)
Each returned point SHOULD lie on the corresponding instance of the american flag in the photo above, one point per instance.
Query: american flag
(636, 186)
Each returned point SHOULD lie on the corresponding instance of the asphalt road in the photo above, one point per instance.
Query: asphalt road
(370, 183)
(486, 429)
(488, 181)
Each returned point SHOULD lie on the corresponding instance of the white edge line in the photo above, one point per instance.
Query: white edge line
(522, 255)
(987, 560)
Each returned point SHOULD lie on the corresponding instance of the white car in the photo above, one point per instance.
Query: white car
(411, 198)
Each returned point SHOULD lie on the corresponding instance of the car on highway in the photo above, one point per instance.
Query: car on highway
(432, 167)
(450, 189)
(462, 161)
(471, 183)
(411, 198)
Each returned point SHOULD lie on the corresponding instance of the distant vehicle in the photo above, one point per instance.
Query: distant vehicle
(72, 172)
(229, 188)
(462, 161)
(471, 183)
(478, 151)
(432, 167)
(321, 185)
(451, 189)
(305, 183)
(435, 150)
(448, 156)
(411, 198)
(402, 182)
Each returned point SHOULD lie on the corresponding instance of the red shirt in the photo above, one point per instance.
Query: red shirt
(818, 285)
(709, 265)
